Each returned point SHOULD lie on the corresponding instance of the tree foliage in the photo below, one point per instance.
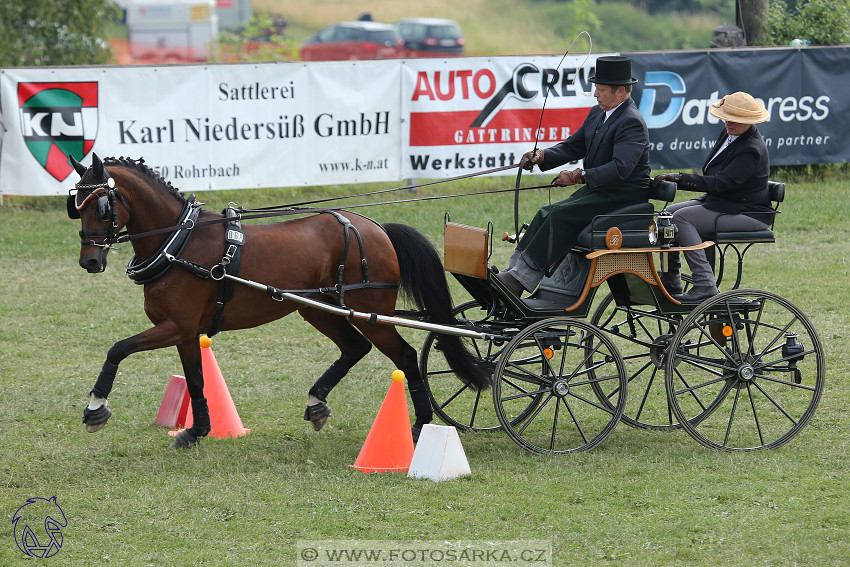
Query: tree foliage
(823, 22)
(261, 39)
(54, 32)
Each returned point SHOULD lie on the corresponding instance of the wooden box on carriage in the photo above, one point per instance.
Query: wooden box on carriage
(465, 250)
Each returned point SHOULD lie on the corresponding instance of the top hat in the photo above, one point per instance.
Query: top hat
(739, 107)
(613, 70)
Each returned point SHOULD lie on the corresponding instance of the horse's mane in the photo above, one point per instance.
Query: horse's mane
(140, 166)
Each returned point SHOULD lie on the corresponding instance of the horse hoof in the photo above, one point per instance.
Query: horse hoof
(96, 427)
(317, 414)
(96, 419)
(184, 440)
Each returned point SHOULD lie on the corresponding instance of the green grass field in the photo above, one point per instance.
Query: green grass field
(641, 498)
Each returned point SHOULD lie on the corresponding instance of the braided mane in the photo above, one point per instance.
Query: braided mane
(140, 166)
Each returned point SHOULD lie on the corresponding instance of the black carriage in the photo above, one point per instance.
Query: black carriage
(741, 371)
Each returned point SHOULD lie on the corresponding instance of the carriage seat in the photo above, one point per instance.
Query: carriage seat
(562, 288)
(726, 240)
(777, 196)
(633, 222)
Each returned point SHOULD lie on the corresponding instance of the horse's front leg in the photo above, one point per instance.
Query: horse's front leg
(190, 356)
(162, 335)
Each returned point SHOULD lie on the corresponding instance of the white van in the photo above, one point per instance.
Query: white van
(171, 30)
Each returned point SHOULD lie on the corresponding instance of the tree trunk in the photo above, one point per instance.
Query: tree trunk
(750, 17)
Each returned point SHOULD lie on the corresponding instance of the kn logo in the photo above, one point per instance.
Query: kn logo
(57, 120)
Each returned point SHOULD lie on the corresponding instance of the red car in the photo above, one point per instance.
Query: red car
(352, 41)
(430, 37)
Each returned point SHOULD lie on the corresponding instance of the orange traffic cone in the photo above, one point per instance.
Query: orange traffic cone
(389, 445)
(224, 419)
(175, 403)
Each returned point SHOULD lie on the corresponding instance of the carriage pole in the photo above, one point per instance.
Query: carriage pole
(373, 318)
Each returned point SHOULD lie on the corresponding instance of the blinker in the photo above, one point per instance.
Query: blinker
(77, 202)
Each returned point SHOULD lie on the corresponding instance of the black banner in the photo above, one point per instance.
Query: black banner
(805, 90)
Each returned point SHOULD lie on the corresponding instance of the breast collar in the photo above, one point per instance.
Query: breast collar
(157, 264)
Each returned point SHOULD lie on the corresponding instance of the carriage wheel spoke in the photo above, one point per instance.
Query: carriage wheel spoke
(646, 390)
(731, 417)
(755, 415)
(590, 403)
(535, 413)
(554, 425)
(775, 403)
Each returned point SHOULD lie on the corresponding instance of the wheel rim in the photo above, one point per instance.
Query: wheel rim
(748, 371)
(554, 368)
(642, 336)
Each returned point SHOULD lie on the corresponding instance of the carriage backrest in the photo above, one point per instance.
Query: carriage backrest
(776, 191)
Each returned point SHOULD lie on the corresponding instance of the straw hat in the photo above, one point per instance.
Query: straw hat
(739, 107)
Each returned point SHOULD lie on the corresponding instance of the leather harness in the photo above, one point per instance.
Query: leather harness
(230, 263)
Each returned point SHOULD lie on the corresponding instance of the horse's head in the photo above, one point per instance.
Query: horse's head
(95, 204)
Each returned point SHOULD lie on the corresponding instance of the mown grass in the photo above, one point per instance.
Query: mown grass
(640, 499)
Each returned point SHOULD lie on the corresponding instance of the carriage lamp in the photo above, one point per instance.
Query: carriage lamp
(666, 230)
(793, 351)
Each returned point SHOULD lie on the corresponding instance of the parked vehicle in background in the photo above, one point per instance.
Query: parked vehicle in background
(353, 40)
(430, 37)
(171, 30)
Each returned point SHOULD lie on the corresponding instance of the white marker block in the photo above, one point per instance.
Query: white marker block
(438, 455)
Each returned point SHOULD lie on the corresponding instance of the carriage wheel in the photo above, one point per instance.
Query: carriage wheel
(455, 402)
(747, 371)
(559, 363)
(642, 336)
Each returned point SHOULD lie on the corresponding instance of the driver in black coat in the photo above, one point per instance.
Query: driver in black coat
(613, 143)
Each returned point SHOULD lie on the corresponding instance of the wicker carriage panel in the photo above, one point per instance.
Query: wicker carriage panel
(637, 263)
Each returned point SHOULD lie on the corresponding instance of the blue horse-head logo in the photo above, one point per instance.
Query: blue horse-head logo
(28, 520)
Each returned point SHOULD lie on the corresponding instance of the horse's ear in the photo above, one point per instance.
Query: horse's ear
(78, 167)
(97, 167)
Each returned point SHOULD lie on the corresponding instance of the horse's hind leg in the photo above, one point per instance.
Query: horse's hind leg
(352, 345)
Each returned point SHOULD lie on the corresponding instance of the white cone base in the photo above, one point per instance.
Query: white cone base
(438, 455)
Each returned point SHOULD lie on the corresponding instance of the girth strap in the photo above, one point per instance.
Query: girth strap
(234, 238)
(347, 229)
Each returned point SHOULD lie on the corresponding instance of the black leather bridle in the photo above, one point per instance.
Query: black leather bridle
(104, 195)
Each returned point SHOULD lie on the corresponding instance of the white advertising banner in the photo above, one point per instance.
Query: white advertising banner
(467, 115)
(203, 126)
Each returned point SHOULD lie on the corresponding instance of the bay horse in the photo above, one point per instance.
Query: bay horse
(176, 244)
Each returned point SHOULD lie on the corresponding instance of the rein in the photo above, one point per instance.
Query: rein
(295, 209)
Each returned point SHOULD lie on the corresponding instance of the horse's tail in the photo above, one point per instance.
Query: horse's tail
(424, 283)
